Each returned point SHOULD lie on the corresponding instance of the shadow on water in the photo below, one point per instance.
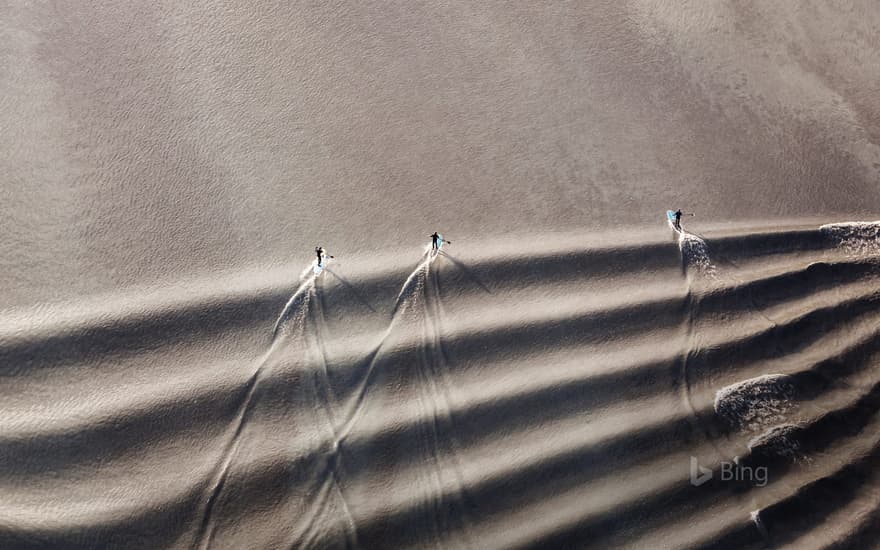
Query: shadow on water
(352, 289)
(460, 265)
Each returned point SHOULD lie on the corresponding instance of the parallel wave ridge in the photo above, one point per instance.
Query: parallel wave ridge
(548, 399)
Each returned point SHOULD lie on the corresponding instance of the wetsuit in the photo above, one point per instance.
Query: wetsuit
(678, 219)
(320, 252)
(435, 238)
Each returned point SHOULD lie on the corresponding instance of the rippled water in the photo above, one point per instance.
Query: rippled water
(462, 404)
(174, 374)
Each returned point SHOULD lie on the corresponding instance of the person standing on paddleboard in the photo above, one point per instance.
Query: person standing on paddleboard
(436, 240)
(678, 215)
(319, 250)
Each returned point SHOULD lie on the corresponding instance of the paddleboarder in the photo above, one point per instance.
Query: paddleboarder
(319, 250)
(437, 240)
(677, 222)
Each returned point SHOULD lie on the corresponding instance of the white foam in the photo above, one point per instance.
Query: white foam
(695, 252)
(755, 403)
(860, 239)
(756, 519)
(309, 271)
(414, 284)
(300, 297)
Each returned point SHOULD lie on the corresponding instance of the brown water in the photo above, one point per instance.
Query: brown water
(545, 381)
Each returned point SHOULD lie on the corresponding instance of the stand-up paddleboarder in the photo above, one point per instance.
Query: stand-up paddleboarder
(437, 241)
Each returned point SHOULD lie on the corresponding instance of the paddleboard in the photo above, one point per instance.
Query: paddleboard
(319, 268)
(440, 241)
(670, 215)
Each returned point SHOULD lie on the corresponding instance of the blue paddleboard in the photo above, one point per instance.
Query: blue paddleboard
(440, 241)
(670, 215)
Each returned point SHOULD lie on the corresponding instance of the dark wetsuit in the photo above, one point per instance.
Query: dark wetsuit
(320, 252)
(678, 219)
(435, 241)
